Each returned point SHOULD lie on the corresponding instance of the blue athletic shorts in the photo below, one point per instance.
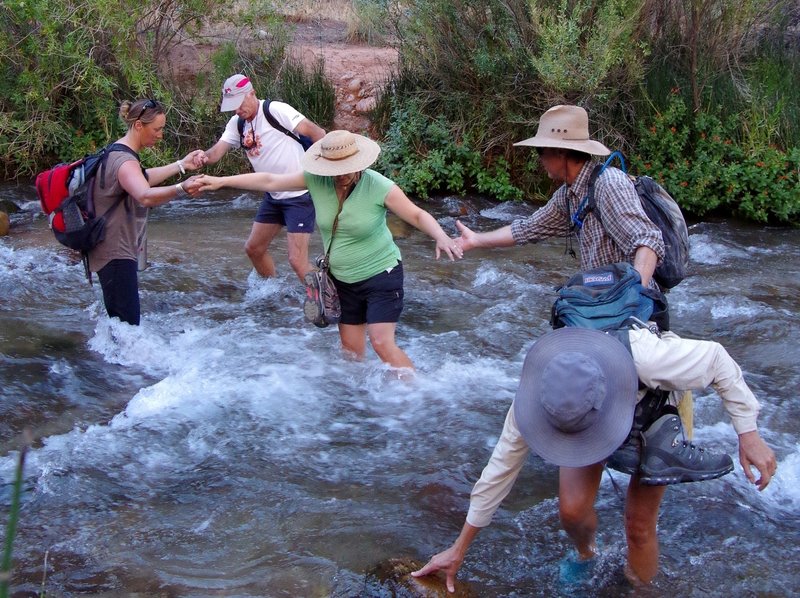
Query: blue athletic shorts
(296, 213)
(374, 300)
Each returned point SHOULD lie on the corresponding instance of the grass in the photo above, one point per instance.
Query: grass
(13, 519)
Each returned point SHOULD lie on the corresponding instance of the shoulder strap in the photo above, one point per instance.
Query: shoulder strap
(589, 203)
(116, 147)
(333, 229)
(275, 124)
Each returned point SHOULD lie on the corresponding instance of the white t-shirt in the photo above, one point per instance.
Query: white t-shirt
(271, 149)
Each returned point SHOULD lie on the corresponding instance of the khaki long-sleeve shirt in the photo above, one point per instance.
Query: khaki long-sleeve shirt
(668, 363)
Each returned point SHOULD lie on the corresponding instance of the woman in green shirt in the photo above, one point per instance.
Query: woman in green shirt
(365, 262)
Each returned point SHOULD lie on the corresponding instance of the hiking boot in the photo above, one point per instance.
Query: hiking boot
(312, 306)
(628, 456)
(668, 458)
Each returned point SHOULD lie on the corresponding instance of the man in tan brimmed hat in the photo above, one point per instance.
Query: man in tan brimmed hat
(351, 201)
(574, 406)
(268, 131)
(565, 150)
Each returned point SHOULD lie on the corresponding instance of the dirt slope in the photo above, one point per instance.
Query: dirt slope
(357, 71)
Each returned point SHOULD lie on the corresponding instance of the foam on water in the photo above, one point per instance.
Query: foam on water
(18, 266)
(704, 250)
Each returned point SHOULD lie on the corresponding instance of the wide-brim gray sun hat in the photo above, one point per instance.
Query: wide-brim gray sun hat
(576, 397)
(340, 152)
(566, 127)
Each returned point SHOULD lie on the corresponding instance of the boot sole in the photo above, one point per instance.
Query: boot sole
(680, 476)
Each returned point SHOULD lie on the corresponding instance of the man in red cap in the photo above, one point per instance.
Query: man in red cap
(270, 149)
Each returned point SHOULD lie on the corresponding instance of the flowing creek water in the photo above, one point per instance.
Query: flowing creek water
(226, 447)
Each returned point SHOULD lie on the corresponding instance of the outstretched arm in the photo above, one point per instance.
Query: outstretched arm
(191, 161)
(469, 239)
(255, 181)
(450, 560)
(398, 202)
(139, 188)
(493, 486)
(754, 452)
(215, 152)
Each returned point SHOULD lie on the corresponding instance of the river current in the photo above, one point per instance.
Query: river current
(227, 448)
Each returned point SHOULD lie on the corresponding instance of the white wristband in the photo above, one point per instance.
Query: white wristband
(180, 167)
(180, 191)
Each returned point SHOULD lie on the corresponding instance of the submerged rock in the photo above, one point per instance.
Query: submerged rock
(394, 576)
(8, 206)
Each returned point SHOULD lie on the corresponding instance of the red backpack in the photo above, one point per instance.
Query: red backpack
(66, 194)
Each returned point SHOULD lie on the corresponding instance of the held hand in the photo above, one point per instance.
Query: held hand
(448, 561)
(194, 160)
(209, 183)
(468, 239)
(192, 186)
(450, 247)
(754, 452)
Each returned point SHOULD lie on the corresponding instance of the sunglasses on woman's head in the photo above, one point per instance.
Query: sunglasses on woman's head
(148, 104)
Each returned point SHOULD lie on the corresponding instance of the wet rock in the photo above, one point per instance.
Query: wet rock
(5, 224)
(400, 229)
(394, 575)
(8, 206)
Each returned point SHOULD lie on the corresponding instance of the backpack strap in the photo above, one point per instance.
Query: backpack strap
(273, 122)
(116, 147)
(589, 203)
(276, 125)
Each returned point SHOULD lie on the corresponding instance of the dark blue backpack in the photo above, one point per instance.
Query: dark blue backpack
(608, 298)
(303, 140)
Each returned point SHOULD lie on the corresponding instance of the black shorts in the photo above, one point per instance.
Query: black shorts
(296, 213)
(119, 280)
(374, 300)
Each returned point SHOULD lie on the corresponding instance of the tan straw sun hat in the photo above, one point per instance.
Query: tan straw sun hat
(566, 127)
(340, 152)
(576, 396)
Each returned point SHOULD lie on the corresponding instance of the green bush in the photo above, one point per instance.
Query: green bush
(65, 67)
(706, 168)
(420, 155)
(484, 71)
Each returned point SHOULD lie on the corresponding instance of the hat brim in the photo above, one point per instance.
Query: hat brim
(588, 146)
(598, 441)
(232, 102)
(367, 153)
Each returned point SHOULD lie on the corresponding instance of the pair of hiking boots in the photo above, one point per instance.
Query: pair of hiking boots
(658, 451)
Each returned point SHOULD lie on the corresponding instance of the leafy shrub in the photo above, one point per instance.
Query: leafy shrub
(706, 169)
(421, 156)
(66, 66)
(484, 71)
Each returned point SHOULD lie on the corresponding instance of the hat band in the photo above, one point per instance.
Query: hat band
(335, 151)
